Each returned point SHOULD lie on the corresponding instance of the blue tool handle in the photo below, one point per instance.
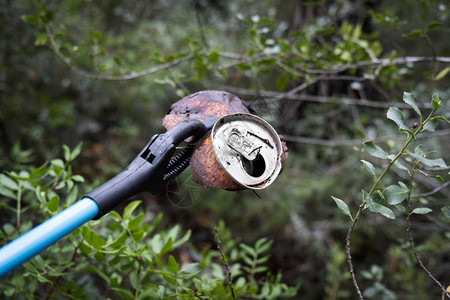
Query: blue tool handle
(47, 233)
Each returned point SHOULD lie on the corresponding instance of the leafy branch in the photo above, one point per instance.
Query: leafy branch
(262, 51)
(393, 194)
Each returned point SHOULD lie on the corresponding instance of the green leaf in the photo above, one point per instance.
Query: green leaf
(161, 290)
(435, 101)
(394, 194)
(282, 81)
(134, 279)
(138, 234)
(342, 206)
(413, 34)
(136, 221)
(57, 165)
(41, 39)
(223, 72)
(77, 150)
(8, 228)
(115, 215)
(421, 210)
(408, 98)
(53, 203)
(431, 124)
(200, 66)
(263, 259)
(248, 249)
(380, 209)
(396, 115)
(380, 195)
(213, 56)
(446, 211)
(73, 195)
(172, 265)
(92, 238)
(104, 67)
(96, 35)
(124, 294)
(9, 183)
(78, 178)
(400, 166)
(325, 31)
(130, 208)
(67, 154)
(433, 25)
(419, 149)
(438, 177)
(442, 73)
(438, 162)
(40, 195)
(182, 240)
(260, 269)
(29, 19)
(39, 171)
(167, 247)
(374, 150)
(369, 167)
(191, 268)
(263, 245)
(247, 260)
(7, 193)
(119, 241)
(400, 208)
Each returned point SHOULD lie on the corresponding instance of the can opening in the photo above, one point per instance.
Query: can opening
(255, 167)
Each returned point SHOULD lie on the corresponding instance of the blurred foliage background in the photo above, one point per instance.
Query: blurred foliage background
(323, 73)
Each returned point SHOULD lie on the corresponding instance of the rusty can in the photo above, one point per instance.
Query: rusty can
(258, 171)
(248, 149)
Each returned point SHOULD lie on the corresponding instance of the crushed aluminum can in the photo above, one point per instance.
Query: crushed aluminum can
(248, 149)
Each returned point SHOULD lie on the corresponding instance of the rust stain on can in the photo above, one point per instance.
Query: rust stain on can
(201, 105)
(206, 171)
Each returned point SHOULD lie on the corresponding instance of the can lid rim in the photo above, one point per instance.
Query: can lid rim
(277, 166)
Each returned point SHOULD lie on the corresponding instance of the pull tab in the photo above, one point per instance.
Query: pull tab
(239, 140)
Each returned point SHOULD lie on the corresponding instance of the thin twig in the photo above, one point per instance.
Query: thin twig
(225, 263)
(58, 278)
(430, 193)
(383, 62)
(134, 75)
(197, 296)
(130, 76)
(35, 211)
(199, 23)
(433, 51)
(292, 95)
(410, 239)
(176, 285)
(352, 142)
(349, 259)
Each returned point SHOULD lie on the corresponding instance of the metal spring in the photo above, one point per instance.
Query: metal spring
(178, 164)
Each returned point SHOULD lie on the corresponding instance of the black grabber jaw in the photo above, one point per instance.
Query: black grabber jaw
(153, 167)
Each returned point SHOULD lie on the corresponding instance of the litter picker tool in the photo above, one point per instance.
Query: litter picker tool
(149, 171)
